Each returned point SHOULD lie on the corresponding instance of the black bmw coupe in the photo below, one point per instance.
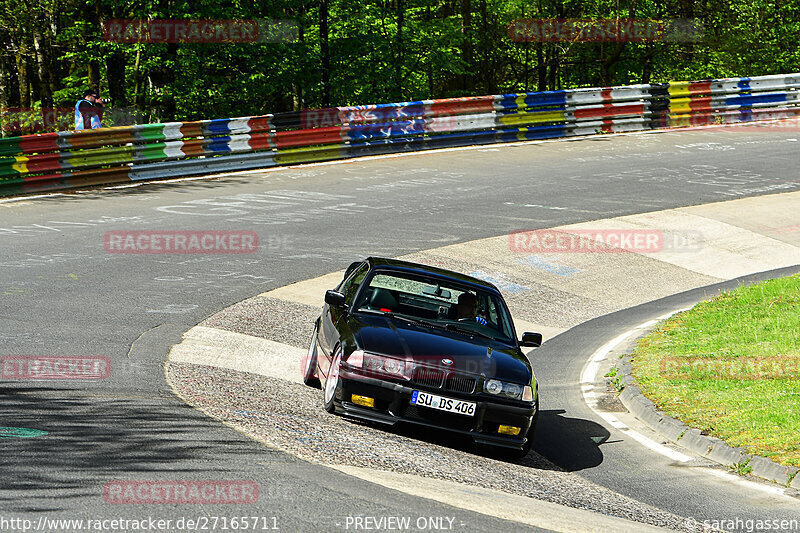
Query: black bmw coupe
(404, 342)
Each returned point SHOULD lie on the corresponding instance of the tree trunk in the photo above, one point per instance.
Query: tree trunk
(398, 63)
(467, 79)
(648, 64)
(325, 52)
(165, 82)
(429, 66)
(22, 78)
(608, 68)
(94, 75)
(138, 92)
(53, 66)
(43, 68)
(298, 90)
(541, 68)
(541, 63)
(116, 63)
(94, 65)
(5, 88)
(115, 70)
(486, 61)
(553, 62)
(161, 104)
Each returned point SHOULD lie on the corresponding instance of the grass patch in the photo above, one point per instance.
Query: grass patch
(742, 468)
(731, 367)
(615, 378)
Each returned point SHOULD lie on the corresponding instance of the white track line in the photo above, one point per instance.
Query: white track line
(588, 377)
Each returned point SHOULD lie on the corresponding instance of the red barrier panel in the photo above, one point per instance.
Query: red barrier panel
(44, 142)
(329, 135)
(261, 141)
(606, 110)
(44, 162)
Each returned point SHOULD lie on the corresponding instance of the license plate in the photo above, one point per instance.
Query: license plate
(451, 405)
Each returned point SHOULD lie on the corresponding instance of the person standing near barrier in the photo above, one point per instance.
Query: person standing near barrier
(89, 111)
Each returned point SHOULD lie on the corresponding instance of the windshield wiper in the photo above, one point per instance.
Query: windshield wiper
(466, 331)
(449, 327)
(404, 317)
(421, 322)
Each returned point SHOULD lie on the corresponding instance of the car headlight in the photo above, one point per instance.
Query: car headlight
(493, 386)
(380, 365)
(528, 391)
(527, 394)
(506, 389)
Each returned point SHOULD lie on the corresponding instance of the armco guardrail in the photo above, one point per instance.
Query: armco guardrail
(55, 161)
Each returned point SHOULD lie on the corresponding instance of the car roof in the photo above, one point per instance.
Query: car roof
(384, 263)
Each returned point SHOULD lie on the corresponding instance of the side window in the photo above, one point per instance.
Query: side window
(490, 311)
(353, 266)
(499, 317)
(349, 286)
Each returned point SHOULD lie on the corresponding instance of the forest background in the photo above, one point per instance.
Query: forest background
(364, 52)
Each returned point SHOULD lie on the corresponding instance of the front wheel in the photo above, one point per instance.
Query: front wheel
(511, 454)
(528, 438)
(332, 383)
(521, 454)
(310, 363)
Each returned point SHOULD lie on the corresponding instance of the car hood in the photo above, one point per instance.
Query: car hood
(432, 346)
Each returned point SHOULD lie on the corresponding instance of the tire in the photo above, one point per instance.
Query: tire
(529, 436)
(310, 364)
(332, 383)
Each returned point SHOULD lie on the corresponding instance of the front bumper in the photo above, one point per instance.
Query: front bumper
(393, 405)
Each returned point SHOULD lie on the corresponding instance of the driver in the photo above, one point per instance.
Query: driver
(467, 307)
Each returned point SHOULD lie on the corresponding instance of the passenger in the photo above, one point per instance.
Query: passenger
(468, 307)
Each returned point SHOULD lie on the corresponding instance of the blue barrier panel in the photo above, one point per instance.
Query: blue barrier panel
(529, 134)
(750, 99)
(547, 98)
(385, 129)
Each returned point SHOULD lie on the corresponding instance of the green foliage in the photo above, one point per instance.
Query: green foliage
(378, 51)
(615, 378)
(743, 468)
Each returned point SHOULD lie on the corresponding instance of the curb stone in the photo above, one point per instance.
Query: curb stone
(692, 439)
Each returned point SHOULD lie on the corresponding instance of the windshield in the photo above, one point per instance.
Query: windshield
(444, 303)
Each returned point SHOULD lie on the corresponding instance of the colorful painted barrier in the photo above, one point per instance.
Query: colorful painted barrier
(64, 160)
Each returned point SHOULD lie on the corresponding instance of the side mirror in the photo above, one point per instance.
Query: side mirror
(334, 299)
(533, 340)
